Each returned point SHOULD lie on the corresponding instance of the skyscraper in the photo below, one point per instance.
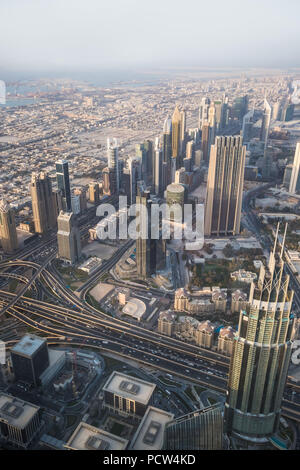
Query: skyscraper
(295, 177)
(145, 246)
(8, 231)
(63, 183)
(176, 134)
(42, 203)
(223, 202)
(266, 120)
(261, 356)
(30, 357)
(68, 238)
(113, 165)
(203, 111)
(167, 150)
(158, 169)
(206, 140)
(198, 430)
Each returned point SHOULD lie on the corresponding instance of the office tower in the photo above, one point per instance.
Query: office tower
(107, 180)
(203, 111)
(198, 430)
(182, 132)
(75, 204)
(113, 165)
(247, 126)
(30, 358)
(218, 105)
(42, 203)
(267, 164)
(212, 116)
(141, 153)
(287, 112)
(158, 174)
(94, 192)
(276, 111)
(176, 134)
(8, 231)
(239, 107)
(287, 176)
(190, 151)
(81, 192)
(20, 421)
(225, 180)
(206, 141)
(167, 149)
(135, 170)
(180, 176)
(295, 177)
(261, 355)
(145, 247)
(63, 183)
(266, 120)
(68, 238)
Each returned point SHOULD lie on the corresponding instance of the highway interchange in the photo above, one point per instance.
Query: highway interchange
(66, 318)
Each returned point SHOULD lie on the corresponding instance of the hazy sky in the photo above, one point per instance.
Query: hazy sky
(95, 34)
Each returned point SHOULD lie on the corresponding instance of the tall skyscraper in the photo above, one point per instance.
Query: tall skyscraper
(199, 430)
(94, 192)
(176, 134)
(113, 164)
(266, 120)
(145, 247)
(247, 126)
(239, 107)
(42, 203)
(203, 111)
(8, 231)
(167, 150)
(182, 132)
(63, 183)
(158, 175)
(295, 176)
(225, 187)
(261, 356)
(68, 238)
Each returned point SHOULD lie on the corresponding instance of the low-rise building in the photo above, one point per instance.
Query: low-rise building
(238, 301)
(150, 433)
(243, 276)
(87, 437)
(127, 396)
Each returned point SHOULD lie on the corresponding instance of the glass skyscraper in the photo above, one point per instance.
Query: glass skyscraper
(63, 183)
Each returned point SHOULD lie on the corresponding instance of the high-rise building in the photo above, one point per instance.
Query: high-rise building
(261, 356)
(287, 176)
(42, 203)
(30, 358)
(94, 192)
(145, 245)
(247, 126)
(295, 176)
(113, 165)
(265, 125)
(63, 183)
(206, 140)
(223, 202)
(8, 231)
(198, 430)
(239, 107)
(158, 169)
(176, 134)
(167, 149)
(203, 111)
(81, 192)
(68, 238)
(182, 132)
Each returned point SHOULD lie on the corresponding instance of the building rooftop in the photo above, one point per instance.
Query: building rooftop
(129, 387)
(87, 437)
(16, 412)
(150, 433)
(28, 345)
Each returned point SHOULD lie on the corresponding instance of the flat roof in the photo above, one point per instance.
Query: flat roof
(16, 412)
(141, 392)
(87, 437)
(28, 345)
(150, 433)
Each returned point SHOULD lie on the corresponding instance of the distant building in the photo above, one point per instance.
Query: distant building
(44, 213)
(223, 202)
(243, 276)
(295, 176)
(63, 183)
(20, 421)
(30, 358)
(198, 430)
(87, 437)
(8, 231)
(127, 396)
(81, 192)
(113, 165)
(94, 192)
(68, 238)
